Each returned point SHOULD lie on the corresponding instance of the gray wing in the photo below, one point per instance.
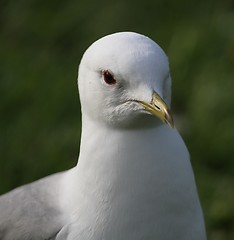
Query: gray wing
(31, 211)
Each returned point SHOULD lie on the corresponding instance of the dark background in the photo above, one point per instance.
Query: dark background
(41, 44)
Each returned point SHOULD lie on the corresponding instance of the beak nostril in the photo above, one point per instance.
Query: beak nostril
(157, 107)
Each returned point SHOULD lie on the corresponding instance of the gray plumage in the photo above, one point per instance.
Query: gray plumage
(31, 211)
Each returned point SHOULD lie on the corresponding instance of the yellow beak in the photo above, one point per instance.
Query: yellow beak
(159, 108)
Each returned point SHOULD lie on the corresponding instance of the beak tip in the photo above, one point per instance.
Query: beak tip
(169, 120)
(172, 125)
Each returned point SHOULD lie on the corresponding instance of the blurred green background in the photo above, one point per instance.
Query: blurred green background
(41, 44)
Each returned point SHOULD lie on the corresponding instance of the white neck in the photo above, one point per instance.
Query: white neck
(124, 174)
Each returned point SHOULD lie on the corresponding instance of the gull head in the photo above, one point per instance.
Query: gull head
(124, 81)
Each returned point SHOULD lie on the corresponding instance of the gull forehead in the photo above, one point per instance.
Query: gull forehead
(126, 49)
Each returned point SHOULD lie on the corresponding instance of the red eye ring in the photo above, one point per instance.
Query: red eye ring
(108, 77)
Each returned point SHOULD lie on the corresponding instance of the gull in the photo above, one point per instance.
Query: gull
(134, 179)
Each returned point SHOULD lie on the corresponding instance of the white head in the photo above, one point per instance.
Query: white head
(123, 78)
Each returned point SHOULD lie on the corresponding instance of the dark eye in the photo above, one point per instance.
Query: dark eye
(108, 77)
